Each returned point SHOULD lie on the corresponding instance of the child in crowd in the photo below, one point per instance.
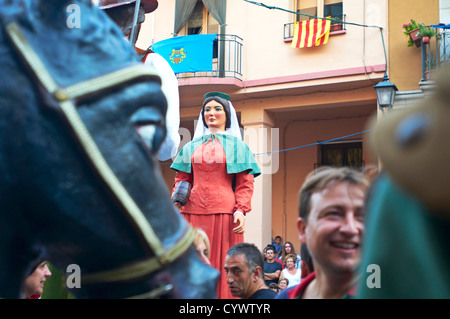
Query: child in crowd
(283, 283)
(278, 246)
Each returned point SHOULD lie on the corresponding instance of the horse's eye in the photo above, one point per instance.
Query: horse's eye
(149, 125)
(152, 135)
(147, 115)
(147, 133)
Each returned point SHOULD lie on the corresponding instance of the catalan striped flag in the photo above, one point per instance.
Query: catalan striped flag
(311, 33)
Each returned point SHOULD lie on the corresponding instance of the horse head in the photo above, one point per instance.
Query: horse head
(79, 184)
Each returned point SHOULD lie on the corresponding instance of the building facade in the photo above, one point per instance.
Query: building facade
(299, 108)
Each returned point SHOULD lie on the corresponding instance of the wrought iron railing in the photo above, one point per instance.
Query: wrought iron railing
(435, 53)
(337, 25)
(227, 62)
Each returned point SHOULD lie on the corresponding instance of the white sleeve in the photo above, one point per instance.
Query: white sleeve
(169, 86)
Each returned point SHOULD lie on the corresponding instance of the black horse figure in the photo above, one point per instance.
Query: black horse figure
(78, 184)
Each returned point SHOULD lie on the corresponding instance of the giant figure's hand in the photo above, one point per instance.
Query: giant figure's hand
(178, 205)
(239, 218)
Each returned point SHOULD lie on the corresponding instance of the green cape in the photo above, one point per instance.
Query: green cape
(408, 243)
(239, 157)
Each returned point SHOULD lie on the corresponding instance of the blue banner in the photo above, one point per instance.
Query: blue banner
(190, 53)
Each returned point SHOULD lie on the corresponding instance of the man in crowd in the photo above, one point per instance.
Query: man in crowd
(272, 269)
(244, 268)
(331, 224)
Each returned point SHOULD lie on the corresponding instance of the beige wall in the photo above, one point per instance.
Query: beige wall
(405, 62)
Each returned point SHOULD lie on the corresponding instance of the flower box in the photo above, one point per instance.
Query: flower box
(415, 36)
(336, 27)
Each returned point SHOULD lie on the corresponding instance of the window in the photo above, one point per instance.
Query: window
(320, 8)
(341, 154)
(332, 8)
(306, 7)
(195, 22)
(201, 21)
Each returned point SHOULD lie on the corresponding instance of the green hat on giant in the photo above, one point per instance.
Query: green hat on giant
(218, 94)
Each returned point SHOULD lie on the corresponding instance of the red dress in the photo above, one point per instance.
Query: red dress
(212, 203)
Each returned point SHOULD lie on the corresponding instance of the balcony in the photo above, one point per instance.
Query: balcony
(227, 59)
(436, 53)
(337, 27)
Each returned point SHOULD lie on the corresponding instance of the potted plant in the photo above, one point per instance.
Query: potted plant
(412, 32)
(426, 32)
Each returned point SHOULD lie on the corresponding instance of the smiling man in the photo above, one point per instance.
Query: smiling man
(331, 224)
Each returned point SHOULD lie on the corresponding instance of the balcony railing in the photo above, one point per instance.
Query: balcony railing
(337, 25)
(227, 59)
(436, 53)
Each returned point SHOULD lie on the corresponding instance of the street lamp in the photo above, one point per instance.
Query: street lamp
(385, 92)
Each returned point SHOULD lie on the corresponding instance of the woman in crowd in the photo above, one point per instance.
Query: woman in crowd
(34, 283)
(292, 273)
(202, 245)
(288, 248)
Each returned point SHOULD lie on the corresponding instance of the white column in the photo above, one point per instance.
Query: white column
(261, 138)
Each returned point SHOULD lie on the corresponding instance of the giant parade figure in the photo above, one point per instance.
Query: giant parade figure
(214, 182)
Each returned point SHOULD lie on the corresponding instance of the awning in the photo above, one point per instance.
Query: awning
(442, 26)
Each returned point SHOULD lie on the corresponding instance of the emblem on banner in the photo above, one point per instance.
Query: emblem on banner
(177, 56)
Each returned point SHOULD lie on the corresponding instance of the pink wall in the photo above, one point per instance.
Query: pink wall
(296, 164)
